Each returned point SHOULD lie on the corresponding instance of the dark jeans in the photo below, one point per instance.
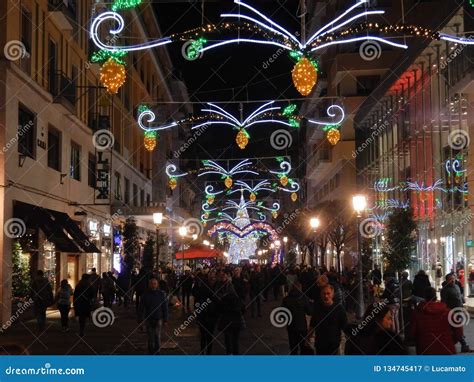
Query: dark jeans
(297, 341)
(108, 299)
(231, 336)
(206, 329)
(82, 324)
(256, 302)
(185, 296)
(64, 310)
(153, 331)
(276, 291)
(41, 317)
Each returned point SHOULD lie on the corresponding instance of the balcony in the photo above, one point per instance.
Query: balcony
(324, 162)
(63, 90)
(63, 13)
(459, 69)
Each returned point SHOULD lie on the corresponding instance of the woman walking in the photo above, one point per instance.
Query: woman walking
(83, 296)
(63, 298)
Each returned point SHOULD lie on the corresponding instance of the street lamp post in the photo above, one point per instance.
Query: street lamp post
(315, 223)
(182, 232)
(157, 220)
(359, 202)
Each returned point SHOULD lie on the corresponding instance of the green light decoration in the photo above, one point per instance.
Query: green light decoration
(290, 109)
(125, 4)
(471, 2)
(195, 48)
(330, 127)
(141, 108)
(294, 122)
(297, 56)
(104, 55)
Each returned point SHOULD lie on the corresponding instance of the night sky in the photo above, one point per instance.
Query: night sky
(234, 72)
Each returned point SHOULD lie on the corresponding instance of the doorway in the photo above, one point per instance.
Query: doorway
(72, 270)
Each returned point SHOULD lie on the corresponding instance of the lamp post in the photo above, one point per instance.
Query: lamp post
(359, 203)
(315, 223)
(182, 232)
(157, 220)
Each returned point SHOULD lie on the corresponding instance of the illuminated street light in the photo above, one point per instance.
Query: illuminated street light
(314, 223)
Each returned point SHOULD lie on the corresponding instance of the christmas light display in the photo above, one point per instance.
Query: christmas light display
(304, 76)
(382, 186)
(125, 4)
(333, 136)
(149, 140)
(112, 75)
(146, 115)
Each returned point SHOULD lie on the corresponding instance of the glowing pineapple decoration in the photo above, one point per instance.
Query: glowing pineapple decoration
(228, 182)
(112, 73)
(242, 138)
(210, 199)
(283, 180)
(333, 135)
(253, 197)
(304, 73)
(172, 183)
(150, 140)
(294, 196)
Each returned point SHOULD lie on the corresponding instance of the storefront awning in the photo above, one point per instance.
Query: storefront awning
(197, 252)
(57, 226)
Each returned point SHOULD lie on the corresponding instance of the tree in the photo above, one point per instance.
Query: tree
(130, 237)
(401, 239)
(20, 273)
(147, 257)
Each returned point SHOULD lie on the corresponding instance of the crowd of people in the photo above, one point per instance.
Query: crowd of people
(321, 303)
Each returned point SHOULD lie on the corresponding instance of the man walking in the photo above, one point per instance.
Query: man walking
(42, 296)
(154, 311)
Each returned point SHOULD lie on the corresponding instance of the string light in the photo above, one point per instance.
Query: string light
(283, 180)
(125, 4)
(242, 138)
(112, 75)
(228, 182)
(149, 140)
(304, 76)
(172, 183)
(294, 196)
(333, 136)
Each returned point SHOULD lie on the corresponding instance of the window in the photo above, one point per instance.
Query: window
(26, 132)
(117, 187)
(26, 36)
(135, 195)
(366, 84)
(148, 200)
(91, 171)
(75, 169)
(142, 197)
(54, 149)
(52, 60)
(127, 191)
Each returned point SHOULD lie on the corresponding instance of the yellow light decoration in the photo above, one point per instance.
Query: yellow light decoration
(206, 215)
(204, 223)
(304, 76)
(112, 75)
(284, 180)
(210, 199)
(333, 136)
(294, 196)
(242, 139)
(149, 140)
(172, 183)
(228, 182)
(274, 214)
(253, 197)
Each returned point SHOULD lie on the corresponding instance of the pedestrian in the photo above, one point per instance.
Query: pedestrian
(153, 310)
(430, 327)
(140, 283)
(471, 282)
(421, 283)
(83, 299)
(452, 296)
(63, 301)
(374, 334)
(95, 284)
(438, 276)
(186, 285)
(299, 307)
(256, 288)
(328, 321)
(107, 288)
(391, 295)
(376, 277)
(239, 284)
(42, 295)
(231, 320)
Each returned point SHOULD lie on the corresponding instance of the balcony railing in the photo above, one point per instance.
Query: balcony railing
(63, 90)
(459, 65)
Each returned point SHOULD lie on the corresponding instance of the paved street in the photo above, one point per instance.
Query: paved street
(124, 337)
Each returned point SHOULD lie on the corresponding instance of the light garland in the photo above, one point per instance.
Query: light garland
(333, 136)
(149, 140)
(112, 75)
(304, 76)
(125, 4)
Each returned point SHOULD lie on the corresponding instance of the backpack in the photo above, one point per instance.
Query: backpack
(64, 296)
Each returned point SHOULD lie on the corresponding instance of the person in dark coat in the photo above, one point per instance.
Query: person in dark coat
(421, 283)
(186, 284)
(83, 298)
(374, 334)
(239, 283)
(205, 292)
(376, 277)
(329, 319)
(231, 320)
(107, 288)
(153, 309)
(63, 302)
(430, 327)
(299, 307)
(140, 283)
(256, 287)
(452, 296)
(42, 295)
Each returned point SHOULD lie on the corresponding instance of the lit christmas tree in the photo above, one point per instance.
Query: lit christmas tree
(241, 248)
